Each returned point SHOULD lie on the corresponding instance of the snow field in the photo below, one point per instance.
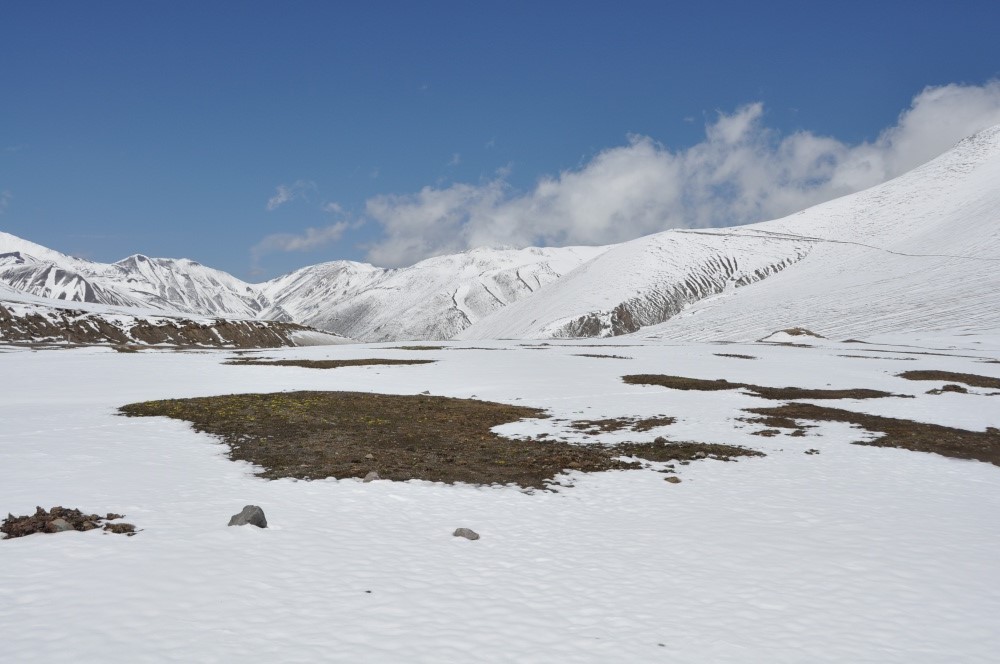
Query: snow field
(855, 554)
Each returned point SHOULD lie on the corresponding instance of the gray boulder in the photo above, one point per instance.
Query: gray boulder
(467, 533)
(59, 525)
(252, 515)
(371, 477)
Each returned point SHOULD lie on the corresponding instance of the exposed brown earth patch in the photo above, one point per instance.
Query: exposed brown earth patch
(776, 393)
(595, 427)
(311, 435)
(876, 357)
(60, 519)
(738, 356)
(323, 364)
(906, 434)
(349, 434)
(416, 348)
(661, 450)
(950, 387)
(801, 332)
(972, 380)
(779, 424)
(610, 357)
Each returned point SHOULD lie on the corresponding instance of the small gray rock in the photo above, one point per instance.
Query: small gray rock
(369, 456)
(700, 455)
(251, 514)
(59, 525)
(467, 533)
(371, 477)
(660, 440)
(673, 479)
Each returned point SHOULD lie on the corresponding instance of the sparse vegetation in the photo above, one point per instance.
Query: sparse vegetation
(311, 435)
(595, 427)
(777, 393)
(323, 364)
(662, 450)
(906, 434)
(972, 380)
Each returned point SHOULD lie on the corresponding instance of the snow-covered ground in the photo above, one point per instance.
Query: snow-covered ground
(857, 554)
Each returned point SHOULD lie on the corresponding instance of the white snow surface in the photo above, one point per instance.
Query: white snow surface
(856, 554)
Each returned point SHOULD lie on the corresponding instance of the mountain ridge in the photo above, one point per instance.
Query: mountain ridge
(837, 256)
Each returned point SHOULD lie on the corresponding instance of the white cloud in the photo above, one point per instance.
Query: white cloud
(455, 160)
(742, 172)
(311, 238)
(5, 197)
(285, 193)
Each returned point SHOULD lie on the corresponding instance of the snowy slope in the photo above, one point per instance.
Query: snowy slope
(434, 299)
(639, 283)
(920, 251)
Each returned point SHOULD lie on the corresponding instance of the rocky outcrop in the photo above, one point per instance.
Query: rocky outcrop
(657, 305)
(39, 324)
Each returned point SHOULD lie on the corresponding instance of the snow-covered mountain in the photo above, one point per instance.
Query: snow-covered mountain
(157, 284)
(434, 299)
(920, 251)
(915, 253)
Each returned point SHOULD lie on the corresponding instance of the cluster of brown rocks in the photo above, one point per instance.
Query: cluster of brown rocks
(60, 519)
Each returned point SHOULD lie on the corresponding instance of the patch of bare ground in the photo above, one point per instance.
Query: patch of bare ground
(914, 352)
(906, 434)
(776, 393)
(661, 450)
(738, 356)
(801, 332)
(323, 364)
(311, 435)
(972, 380)
(610, 357)
(349, 434)
(877, 357)
(595, 427)
(60, 519)
(416, 348)
(776, 425)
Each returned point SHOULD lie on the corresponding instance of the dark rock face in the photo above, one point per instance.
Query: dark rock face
(467, 533)
(659, 304)
(251, 515)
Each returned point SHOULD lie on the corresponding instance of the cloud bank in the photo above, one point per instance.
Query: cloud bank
(742, 172)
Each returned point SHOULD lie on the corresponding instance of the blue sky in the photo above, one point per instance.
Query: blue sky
(257, 137)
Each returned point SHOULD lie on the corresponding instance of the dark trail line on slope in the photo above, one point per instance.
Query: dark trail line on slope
(806, 238)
